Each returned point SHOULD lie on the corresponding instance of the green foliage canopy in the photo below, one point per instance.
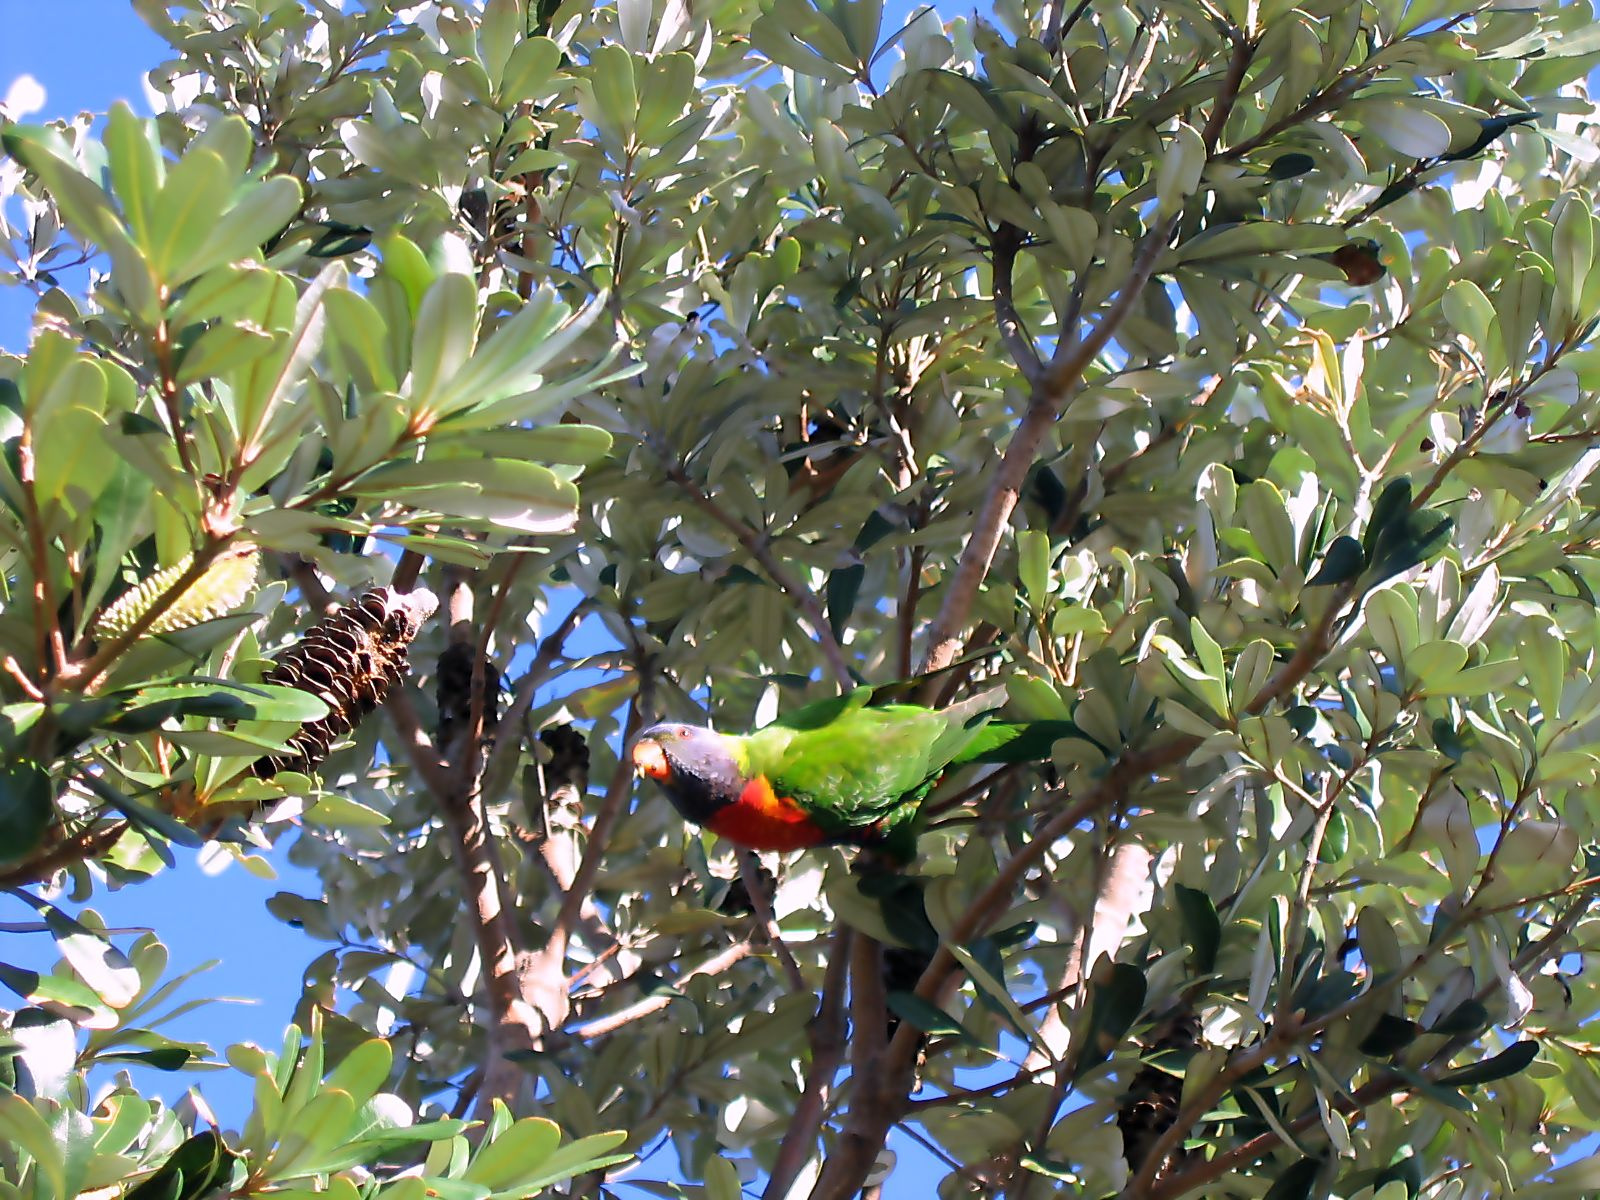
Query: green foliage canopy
(1219, 375)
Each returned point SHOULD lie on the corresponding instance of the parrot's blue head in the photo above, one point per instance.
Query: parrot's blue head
(695, 766)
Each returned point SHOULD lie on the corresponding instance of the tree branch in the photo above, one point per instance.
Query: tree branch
(715, 965)
(1052, 389)
(759, 547)
(756, 888)
(827, 1052)
(89, 843)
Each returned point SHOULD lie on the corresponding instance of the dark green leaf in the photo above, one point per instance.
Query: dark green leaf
(1393, 504)
(1335, 838)
(200, 1165)
(168, 1058)
(1389, 1035)
(1508, 1062)
(926, 1016)
(1448, 741)
(1320, 995)
(338, 240)
(1343, 559)
(1469, 1016)
(1202, 929)
(142, 719)
(1287, 166)
(145, 819)
(1115, 1002)
(844, 584)
(20, 980)
(1296, 1181)
(27, 808)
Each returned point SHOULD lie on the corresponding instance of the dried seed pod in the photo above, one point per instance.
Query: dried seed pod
(221, 588)
(1154, 1095)
(453, 692)
(350, 660)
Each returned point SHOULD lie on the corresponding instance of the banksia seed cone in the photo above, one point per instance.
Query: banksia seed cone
(1154, 1096)
(453, 692)
(350, 660)
(221, 588)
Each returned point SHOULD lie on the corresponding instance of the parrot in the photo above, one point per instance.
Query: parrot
(852, 770)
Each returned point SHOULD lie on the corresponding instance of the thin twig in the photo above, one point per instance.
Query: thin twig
(827, 1052)
(715, 965)
(759, 547)
(756, 888)
(1051, 391)
(90, 843)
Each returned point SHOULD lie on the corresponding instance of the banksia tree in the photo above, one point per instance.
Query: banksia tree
(1221, 376)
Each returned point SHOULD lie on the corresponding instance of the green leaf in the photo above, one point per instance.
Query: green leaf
(248, 224)
(1296, 1181)
(1202, 929)
(190, 205)
(1033, 566)
(341, 812)
(587, 1154)
(1116, 1000)
(510, 362)
(447, 326)
(221, 349)
(1508, 1062)
(616, 100)
(522, 1148)
(27, 808)
(23, 1127)
(521, 496)
(133, 150)
(100, 964)
(528, 75)
(927, 1016)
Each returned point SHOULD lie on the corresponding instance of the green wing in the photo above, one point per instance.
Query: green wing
(853, 764)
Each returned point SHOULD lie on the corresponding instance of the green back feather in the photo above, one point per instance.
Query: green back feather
(854, 762)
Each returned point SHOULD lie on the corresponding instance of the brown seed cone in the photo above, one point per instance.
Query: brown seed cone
(350, 660)
(453, 694)
(1154, 1097)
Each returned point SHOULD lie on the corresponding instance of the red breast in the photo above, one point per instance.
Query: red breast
(760, 819)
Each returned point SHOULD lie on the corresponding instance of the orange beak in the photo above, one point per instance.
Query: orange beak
(650, 759)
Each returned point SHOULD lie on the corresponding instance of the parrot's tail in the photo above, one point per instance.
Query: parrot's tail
(1005, 742)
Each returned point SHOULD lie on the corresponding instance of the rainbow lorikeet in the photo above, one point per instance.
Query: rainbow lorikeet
(852, 770)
